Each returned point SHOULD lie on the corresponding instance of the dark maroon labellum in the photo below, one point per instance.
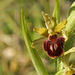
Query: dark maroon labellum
(54, 46)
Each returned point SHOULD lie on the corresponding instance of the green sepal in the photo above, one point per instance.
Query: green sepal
(49, 22)
(60, 26)
(38, 44)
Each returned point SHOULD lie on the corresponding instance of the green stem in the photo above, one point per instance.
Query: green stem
(56, 64)
(32, 52)
(59, 64)
(56, 12)
(56, 16)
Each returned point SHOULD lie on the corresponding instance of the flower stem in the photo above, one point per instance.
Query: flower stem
(56, 16)
(56, 12)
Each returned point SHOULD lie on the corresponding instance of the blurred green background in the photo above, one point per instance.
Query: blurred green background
(14, 58)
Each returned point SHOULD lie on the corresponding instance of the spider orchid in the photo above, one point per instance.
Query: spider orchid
(54, 37)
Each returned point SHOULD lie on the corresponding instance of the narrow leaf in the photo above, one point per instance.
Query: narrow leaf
(32, 52)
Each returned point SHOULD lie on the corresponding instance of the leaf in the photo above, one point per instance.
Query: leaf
(60, 26)
(41, 31)
(32, 52)
(70, 26)
(38, 44)
(72, 8)
(70, 42)
(49, 22)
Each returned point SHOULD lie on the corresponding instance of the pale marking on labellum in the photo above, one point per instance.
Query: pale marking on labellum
(51, 48)
(55, 46)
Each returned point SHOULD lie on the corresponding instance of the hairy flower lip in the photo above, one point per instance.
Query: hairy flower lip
(54, 46)
(55, 43)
